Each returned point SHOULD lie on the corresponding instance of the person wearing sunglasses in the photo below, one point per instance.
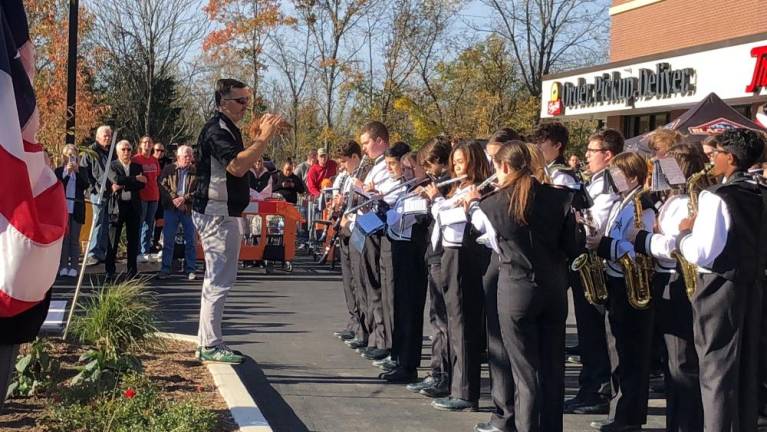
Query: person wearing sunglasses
(220, 197)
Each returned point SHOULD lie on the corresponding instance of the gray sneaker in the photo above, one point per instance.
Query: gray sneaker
(218, 354)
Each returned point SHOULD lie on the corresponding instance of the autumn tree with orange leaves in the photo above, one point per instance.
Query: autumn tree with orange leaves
(240, 36)
(48, 25)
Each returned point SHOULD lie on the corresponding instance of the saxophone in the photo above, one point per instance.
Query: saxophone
(690, 271)
(637, 273)
(590, 268)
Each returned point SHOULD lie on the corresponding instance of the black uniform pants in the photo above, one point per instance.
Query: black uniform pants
(360, 293)
(371, 275)
(347, 278)
(594, 378)
(440, 343)
(501, 377)
(409, 300)
(532, 322)
(727, 320)
(673, 318)
(463, 269)
(387, 289)
(129, 217)
(629, 343)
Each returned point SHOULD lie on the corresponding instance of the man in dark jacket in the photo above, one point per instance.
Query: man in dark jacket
(94, 168)
(287, 184)
(177, 182)
(127, 179)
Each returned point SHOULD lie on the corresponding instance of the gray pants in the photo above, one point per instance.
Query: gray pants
(220, 237)
(70, 249)
(7, 366)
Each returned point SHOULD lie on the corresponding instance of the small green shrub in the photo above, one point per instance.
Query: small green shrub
(35, 370)
(137, 405)
(118, 320)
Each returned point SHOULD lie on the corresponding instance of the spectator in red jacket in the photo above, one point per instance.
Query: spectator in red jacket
(325, 168)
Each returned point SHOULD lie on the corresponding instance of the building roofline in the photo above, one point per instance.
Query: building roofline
(673, 53)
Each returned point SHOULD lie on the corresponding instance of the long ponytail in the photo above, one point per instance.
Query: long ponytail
(519, 184)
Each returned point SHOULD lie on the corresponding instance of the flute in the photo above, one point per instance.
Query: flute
(437, 185)
(377, 198)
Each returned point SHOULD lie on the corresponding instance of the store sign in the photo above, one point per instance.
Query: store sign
(715, 127)
(613, 88)
(759, 77)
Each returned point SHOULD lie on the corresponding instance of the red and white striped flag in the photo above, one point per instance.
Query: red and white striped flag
(33, 213)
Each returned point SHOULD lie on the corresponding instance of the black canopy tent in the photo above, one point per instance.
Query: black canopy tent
(710, 116)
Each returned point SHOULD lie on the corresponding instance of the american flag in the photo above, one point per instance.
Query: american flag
(33, 213)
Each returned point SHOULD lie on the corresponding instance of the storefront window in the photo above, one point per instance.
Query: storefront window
(637, 125)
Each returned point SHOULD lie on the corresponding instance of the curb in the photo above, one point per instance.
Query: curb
(244, 410)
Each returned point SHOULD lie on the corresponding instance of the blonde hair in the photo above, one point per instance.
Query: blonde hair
(537, 162)
(665, 138)
(69, 147)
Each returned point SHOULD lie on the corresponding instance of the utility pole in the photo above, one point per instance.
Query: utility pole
(72, 71)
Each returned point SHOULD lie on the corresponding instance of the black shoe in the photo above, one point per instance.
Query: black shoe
(454, 404)
(438, 390)
(356, 343)
(486, 427)
(344, 334)
(594, 408)
(582, 401)
(429, 381)
(376, 354)
(399, 376)
(573, 350)
(612, 426)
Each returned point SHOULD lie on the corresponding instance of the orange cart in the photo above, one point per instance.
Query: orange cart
(271, 233)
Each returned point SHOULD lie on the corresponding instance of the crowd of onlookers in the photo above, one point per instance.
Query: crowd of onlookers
(144, 185)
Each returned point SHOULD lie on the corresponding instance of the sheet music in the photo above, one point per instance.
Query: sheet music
(370, 223)
(357, 240)
(415, 205)
(671, 171)
(659, 181)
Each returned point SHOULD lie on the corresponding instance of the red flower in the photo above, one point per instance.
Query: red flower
(129, 393)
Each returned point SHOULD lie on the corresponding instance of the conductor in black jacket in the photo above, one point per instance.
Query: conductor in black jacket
(127, 179)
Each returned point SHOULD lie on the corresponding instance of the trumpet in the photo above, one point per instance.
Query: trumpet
(689, 270)
(637, 274)
(590, 268)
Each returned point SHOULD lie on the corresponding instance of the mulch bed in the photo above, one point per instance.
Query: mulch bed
(174, 369)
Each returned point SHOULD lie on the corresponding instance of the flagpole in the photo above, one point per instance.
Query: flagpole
(99, 198)
(72, 71)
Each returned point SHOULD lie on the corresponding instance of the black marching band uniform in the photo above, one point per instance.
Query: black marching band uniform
(484, 271)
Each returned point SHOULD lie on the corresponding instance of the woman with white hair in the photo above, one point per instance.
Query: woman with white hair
(74, 186)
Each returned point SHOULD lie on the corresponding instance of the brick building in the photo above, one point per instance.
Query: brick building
(666, 55)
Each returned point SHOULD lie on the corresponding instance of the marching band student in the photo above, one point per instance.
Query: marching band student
(501, 379)
(349, 155)
(673, 312)
(434, 157)
(391, 189)
(727, 242)
(463, 264)
(552, 139)
(407, 235)
(594, 377)
(531, 227)
(629, 330)
(375, 141)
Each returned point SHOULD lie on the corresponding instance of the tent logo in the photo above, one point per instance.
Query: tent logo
(759, 79)
(714, 127)
(555, 106)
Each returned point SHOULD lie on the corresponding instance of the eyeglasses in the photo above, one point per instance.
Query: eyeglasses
(593, 150)
(239, 100)
(715, 152)
(125, 149)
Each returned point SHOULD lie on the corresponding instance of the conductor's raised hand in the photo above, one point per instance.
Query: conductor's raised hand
(269, 125)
